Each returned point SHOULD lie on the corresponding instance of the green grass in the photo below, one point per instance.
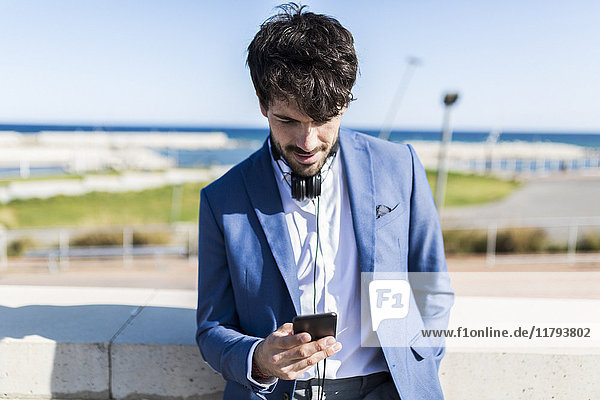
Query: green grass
(101, 208)
(155, 205)
(466, 189)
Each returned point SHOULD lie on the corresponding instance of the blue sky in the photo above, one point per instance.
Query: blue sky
(519, 65)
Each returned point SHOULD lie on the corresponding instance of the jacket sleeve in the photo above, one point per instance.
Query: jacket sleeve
(222, 344)
(426, 259)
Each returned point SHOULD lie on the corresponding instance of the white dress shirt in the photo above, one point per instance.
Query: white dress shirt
(338, 273)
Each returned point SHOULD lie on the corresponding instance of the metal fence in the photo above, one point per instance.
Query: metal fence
(532, 166)
(571, 227)
(59, 244)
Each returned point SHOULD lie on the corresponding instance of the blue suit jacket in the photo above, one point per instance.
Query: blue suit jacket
(248, 283)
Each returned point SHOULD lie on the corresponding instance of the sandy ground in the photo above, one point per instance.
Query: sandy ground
(166, 274)
(470, 276)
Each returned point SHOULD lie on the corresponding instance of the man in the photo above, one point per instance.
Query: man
(295, 228)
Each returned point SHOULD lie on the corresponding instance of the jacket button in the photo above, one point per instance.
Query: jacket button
(285, 396)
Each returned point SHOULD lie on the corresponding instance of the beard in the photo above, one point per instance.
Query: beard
(303, 170)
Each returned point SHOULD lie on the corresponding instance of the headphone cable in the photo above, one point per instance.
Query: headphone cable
(320, 381)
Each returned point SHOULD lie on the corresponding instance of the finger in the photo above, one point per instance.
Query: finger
(298, 366)
(328, 351)
(290, 341)
(326, 345)
(298, 353)
(285, 330)
(284, 337)
(290, 367)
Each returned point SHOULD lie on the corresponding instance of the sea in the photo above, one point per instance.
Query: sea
(250, 139)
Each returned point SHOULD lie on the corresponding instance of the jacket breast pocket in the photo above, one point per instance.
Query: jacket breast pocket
(385, 214)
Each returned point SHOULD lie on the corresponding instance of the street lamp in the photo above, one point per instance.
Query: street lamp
(442, 175)
(411, 64)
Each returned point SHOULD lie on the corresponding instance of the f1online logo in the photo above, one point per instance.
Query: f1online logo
(388, 299)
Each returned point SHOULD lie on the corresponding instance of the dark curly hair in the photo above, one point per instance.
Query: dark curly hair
(305, 57)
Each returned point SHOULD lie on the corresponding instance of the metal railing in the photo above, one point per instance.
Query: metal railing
(56, 244)
(573, 226)
(533, 166)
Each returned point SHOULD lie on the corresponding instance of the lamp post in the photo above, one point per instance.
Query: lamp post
(411, 64)
(442, 175)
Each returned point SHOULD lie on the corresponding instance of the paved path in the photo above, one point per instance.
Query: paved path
(168, 274)
(470, 277)
(559, 196)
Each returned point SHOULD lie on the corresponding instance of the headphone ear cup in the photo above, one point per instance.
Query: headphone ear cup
(315, 186)
(298, 188)
(306, 188)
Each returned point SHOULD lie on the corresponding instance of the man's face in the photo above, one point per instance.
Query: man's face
(303, 143)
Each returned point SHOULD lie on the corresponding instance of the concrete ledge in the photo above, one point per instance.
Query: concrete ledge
(43, 369)
(504, 375)
(133, 344)
(150, 371)
(101, 343)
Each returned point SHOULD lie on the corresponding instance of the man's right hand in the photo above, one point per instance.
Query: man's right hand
(287, 356)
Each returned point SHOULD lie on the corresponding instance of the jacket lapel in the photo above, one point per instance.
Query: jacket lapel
(266, 200)
(356, 158)
(264, 195)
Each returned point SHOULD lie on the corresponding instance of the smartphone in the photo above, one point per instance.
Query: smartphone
(317, 325)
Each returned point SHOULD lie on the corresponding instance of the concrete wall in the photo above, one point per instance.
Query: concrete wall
(103, 343)
(502, 375)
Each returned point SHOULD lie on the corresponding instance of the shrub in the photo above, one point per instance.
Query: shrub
(465, 241)
(589, 242)
(116, 239)
(17, 247)
(141, 239)
(521, 241)
(507, 241)
(98, 239)
(556, 248)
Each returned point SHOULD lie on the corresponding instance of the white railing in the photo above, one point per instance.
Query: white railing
(511, 158)
(56, 243)
(533, 166)
(572, 225)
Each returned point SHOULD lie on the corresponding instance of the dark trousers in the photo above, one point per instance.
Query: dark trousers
(378, 386)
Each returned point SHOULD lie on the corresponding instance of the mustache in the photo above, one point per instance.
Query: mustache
(296, 149)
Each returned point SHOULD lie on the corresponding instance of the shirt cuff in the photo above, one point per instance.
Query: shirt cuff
(264, 383)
